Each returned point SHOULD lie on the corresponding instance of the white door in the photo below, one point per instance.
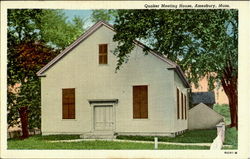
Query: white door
(103, 117)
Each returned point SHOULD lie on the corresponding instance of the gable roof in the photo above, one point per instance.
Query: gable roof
(203, 97)
(205, 108)
(89, 32)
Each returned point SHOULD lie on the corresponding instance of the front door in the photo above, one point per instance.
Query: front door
(103, 117)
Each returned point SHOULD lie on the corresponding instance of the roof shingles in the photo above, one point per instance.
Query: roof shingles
(203, 97)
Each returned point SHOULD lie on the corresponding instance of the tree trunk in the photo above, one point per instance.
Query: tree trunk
(23, 112)
(230, 86)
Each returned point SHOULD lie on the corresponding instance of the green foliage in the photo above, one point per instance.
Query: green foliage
(12, 107)
(191, 136)
(200, 41)
(57, 31)
(104, 15)
(21, 29)
(46, 27)
(35, 36)
(231, 134)
(231, 137)
(223, 109)
(30, 95)
(21, 25)
(36, 142)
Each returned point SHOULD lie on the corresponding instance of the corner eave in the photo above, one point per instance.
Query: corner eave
(181, 74)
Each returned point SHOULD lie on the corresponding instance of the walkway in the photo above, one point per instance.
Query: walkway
(136, 141)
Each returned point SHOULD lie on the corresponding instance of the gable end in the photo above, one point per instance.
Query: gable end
(84, 36)
(89, 32)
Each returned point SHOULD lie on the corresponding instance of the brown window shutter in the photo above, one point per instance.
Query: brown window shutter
(105, 48)
(178, 103)
(185, 107)
(103, 54)
(136, 102)
(144, 102)
(105, 59)
(68, 103)
(71, 113)
(140, 102)
(65, 111)
(182, 106)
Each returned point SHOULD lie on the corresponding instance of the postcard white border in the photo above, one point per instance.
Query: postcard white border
(243, 89)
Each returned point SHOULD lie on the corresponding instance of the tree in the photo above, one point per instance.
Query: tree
(203, 42)
(105, 15)
(55, 29)
(32, 42)
(24, 103)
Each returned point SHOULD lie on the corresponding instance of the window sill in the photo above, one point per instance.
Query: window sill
(139, 119)
(69, 119)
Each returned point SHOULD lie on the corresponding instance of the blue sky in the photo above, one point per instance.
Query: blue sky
(85, 14)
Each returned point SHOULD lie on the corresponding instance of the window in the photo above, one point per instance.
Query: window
(185, 107)
(140, 102)
(103, 54)
(178, 103)
(182, 106)
(68, 103)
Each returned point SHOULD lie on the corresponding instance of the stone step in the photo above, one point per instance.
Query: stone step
(98, 135)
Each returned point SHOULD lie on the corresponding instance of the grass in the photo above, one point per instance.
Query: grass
(191, 136)
(59, 137)
(231, 134)
(38, 142)
(231, 137)
(223, 109)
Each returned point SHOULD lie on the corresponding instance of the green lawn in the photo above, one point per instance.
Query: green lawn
(58, 137)
(191, 136)
(231, 133)
(39, 142)
(231, 137)
(223, 109)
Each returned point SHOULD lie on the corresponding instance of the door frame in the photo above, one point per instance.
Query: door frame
(103, 102)
(102, 106)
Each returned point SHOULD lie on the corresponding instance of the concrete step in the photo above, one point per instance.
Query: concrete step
(98, 135)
